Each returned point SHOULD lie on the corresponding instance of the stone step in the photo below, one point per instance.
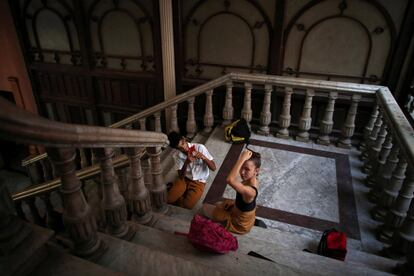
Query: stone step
(179, 220)
(134, 259)
(28, 254)
(284, 257)
(63, 264)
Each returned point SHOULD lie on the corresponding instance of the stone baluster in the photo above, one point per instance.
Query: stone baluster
(369, 127)
(13, 233)
(348, 128)
(158, 189)
(19, 209)
(305, 120)
(139, 198)
(246, 112)
(403, 238)
(191, 125)
(77, 215)
(395, 217)
(326, 124)
(143, 124)
(157, 117)
(390, 191)
(123, 182)
(34, 173)
(53, 218)
(372, 137)
(173, 119)
(284, 118)
(228, 105)
(34, 212)
(113, 203)
(374, 150)
(83, 160)
(46, 169)
(208, 115)
(382, 159)
(265, 115)
(146, 165)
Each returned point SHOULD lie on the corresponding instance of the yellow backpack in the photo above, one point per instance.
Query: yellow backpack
(237, 132)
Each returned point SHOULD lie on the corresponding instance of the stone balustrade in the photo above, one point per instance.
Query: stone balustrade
(387, 147)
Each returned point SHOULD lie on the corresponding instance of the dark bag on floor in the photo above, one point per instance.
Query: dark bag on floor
(237, 132)
(210, 236)
(333, 244)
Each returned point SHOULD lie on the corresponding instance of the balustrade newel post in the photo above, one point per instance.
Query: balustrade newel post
(139, 201)
(369, 127)
(284, 118)
(348, 128)
(246, 112)
(395, 217)
(266, 115)
(173, 119)
(228, 105)
(305, 120)
(113, 203)
(326, 124)
(191, 125)
(78, 218)
(158, 189)
(389, 191)
(208, 115)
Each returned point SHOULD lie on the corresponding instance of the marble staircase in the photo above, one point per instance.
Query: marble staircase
(157, 250)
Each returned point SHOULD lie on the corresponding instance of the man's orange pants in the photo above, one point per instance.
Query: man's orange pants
(185, 192)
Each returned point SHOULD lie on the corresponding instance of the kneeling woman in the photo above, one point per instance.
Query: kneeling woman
(238, 216)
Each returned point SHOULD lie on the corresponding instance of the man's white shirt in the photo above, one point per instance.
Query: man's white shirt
(198, 169)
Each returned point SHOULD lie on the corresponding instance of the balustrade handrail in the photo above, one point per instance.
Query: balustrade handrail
(21, 126)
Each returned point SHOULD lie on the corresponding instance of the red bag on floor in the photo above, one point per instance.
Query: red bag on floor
(333, 245)
(210, 236)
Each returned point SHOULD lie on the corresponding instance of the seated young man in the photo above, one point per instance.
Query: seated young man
(193, 162)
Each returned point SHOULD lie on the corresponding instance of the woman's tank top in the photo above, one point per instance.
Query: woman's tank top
(243, 206)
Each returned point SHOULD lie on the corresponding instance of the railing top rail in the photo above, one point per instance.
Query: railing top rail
(21, 126)
(404, 133)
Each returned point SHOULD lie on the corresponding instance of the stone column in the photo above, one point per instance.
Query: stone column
(208, 114)
(228, 106)
(374, 150)
(158, 188)
(395, 217)
(113, 204)
(265, 115)
(173, 120)
(349, 126)
(305, 120)
(372, 137)
(390, 191)
(326, 124)
(368, 128)
(142, 124)
(167, 49)
(78, 218)
(246, 112)
(191, 125)
(284, 118)
(139, 199)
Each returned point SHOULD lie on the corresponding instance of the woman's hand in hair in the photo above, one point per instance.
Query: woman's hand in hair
(246, 155)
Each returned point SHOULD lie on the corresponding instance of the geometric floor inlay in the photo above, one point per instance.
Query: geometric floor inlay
(301, 186)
